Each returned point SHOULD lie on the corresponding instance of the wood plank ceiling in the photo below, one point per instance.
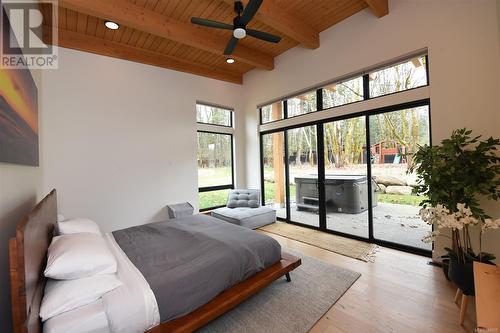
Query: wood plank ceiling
(159, 32)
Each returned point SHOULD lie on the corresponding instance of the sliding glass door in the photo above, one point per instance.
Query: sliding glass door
(346, 176)
(394, 138)
(303, 184)
(273, 156)
(349, 175)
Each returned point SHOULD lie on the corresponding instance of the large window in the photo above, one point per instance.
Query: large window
(400, 76)
(215, 156)
(337, 94)
(301, 104)
(214, 115)
(403, 76)
(272, 112)
(347, 173)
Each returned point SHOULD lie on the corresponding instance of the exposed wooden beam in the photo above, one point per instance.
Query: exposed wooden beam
(379, 7)
(146, 20)
(82, 42)
(279, 18)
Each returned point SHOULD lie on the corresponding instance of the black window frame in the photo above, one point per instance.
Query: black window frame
(218, 187)
(231, 115)
(371, 238)
(367, 113)
(284, 111)
(425, 55)
(366, 88)
(285, 102)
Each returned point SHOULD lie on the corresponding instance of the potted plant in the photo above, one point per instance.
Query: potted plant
(454, 176)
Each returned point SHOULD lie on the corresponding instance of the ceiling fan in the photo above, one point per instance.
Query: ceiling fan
(244, 16)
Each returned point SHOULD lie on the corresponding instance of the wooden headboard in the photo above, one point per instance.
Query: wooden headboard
(28, 253)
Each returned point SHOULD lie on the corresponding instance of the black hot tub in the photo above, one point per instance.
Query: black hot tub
(343, 193)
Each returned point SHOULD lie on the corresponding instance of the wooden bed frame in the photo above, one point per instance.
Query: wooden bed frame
(28, 252)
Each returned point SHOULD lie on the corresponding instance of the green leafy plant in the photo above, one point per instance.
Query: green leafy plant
(454, 176)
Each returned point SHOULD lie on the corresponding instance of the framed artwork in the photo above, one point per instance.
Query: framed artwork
(18, 114)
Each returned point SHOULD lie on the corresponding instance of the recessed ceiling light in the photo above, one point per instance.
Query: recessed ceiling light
(230, 60)
(111, 25)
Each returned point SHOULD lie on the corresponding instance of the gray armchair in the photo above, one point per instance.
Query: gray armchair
(243, 208)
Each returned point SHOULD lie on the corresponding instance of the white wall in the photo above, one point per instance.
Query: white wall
(120, 137)
(463, 43)
(19, 189)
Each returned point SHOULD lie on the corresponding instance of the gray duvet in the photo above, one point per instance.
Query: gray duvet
(190, 260)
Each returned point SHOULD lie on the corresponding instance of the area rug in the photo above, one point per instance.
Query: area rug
(341, 245)
(289, 307)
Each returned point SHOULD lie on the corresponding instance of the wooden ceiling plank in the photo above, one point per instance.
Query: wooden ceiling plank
(169, 8)
(169, 47)
(78, 41)
(81, 23)
(149, 41)
(118, 35)
(155, 44)
(149, 21)
(134, 37)
(108, 33)
(151, 4)
(142, 39)
(71, 17)
(100, 29)
(379, 7)
(126, 35)
(161, 6)
(140, 3)
(286, 22)
(180, 9)
(62, 17)
(91, 25)
(163, 45)
(192, 10)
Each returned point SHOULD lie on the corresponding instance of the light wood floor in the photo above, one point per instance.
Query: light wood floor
(399, 292)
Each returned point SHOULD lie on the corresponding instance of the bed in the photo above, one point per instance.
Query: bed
(28, 252)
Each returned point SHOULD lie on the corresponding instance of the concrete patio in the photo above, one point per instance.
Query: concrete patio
(391, 222)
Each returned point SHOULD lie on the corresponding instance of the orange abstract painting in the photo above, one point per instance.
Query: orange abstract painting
(18, 116)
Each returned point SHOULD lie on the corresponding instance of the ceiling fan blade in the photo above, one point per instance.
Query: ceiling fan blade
(263, 35)
(231, 45)
(249, 11)
(210, 23)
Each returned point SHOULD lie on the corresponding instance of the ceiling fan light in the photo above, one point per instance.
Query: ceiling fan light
(111, 25)
(230, 60)
(239, 33)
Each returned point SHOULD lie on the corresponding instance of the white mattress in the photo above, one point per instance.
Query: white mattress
(130, 308)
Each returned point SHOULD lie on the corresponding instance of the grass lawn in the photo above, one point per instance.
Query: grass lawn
(411, 200)
(213, 199)
(270, 191)
(217, 176)
(214, 176)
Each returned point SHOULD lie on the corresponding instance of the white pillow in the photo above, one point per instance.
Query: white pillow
(74, 226)
(77, 256)
(62, 296)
